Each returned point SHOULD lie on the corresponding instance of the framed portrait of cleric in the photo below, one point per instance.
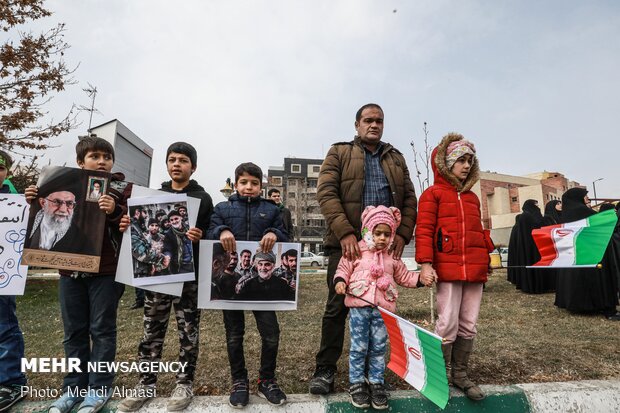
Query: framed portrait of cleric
(96, 187)
(160, 249)
(248, 279)
(65, 231)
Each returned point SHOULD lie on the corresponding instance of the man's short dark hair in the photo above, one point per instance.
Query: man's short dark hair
(291, 253)
(219, 253)
(174, 213)
(244, 251)
(358, 115)
(90, 144)
(272, 191)
(138, 208)
(7, 160)
(251, 169)
(185, 149)
(153, 221)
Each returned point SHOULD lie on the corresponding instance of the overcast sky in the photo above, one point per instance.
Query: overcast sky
(533, 84)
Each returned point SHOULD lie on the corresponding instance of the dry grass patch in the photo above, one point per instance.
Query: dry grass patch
(521, 338)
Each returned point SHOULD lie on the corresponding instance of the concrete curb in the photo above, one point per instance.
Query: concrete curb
(574, 397)
(591, 396)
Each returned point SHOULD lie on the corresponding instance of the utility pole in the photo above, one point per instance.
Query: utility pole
(91, 91)
(594, 188)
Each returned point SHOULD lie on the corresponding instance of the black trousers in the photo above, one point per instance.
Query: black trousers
(334, 318)
(267, 323)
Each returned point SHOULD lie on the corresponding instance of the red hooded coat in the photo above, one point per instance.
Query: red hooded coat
(449, 231)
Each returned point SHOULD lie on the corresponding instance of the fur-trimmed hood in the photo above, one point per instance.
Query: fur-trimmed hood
(443, 174)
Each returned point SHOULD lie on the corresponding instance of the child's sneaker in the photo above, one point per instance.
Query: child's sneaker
(181, 398)
(240, 394)
(378, 396)
(359, 395)
(64, 403)
(94, 401)
(138, 396)
(9, 395)
(270, 390)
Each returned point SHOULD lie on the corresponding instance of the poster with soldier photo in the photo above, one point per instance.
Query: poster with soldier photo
(161, 251)
(248, 279)
(65, 229)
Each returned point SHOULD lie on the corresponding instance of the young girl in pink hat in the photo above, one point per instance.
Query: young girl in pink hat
(370, 281)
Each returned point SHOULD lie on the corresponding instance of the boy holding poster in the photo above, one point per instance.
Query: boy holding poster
(246, 216)
(181, 158)
(89, 301)
(11, 338)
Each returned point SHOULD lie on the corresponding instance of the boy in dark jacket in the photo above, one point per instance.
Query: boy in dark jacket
(89, 301)
(11, 337)
(181, 159)
(248, 217)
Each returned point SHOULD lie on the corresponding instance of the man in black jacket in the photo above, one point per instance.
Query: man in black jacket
(287, 220)
(266, 286)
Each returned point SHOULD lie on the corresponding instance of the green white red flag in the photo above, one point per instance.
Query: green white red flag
(575, 244)
(417, 358)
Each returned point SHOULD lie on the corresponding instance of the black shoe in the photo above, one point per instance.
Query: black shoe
(378, 396)
(614, 317)
(9, 395)
(359, 395)
(240, 394)
(136, 305)
(323, 381)
(270, 390)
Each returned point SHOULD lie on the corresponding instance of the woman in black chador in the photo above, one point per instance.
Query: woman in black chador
(553, 213)
(529, 280)
(513, 270)
(586, 290)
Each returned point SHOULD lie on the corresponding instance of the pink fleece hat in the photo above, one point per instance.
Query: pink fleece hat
(457, 149)
(373, 216)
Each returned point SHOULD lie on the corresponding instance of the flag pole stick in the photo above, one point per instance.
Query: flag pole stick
(432, 305)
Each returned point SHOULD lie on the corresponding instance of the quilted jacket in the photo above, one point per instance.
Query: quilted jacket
(247, 218)
(449, 231)
(341, 187)
(362, 287)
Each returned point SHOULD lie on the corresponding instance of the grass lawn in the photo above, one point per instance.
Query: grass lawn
(521, 338)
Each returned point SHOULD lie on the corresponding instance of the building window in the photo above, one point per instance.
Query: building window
(514, 199)
(296, 168)
(316, 169)
(291, 195)
(312, 183)
(277, 180)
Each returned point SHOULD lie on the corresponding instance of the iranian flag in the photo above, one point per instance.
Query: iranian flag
(416, 357)
(575, 244)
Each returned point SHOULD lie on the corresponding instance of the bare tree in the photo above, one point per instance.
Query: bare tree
(25, 175)
(422, 158)
(422, 164)
(33, 70)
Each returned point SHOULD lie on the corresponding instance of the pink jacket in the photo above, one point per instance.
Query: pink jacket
(357, 275)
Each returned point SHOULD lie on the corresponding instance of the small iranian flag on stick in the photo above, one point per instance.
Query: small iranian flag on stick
(575, 244)
(417, 358)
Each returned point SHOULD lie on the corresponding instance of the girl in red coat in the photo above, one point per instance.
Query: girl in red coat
(450, 242)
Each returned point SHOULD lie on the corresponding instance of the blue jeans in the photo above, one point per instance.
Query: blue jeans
(88, 307)
(368, 340)
(11, 344)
